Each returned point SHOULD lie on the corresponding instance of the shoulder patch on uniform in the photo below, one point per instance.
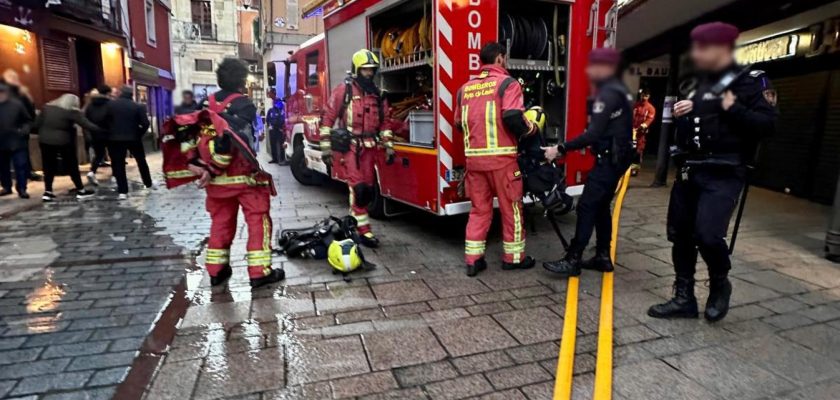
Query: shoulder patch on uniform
(598, 107)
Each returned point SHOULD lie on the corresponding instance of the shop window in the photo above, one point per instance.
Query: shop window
(203, 65)
(151, 36)
(202, 17)
(312, 69)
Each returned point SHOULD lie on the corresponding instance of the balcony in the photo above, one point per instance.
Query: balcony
(248, 52)
(95, 12)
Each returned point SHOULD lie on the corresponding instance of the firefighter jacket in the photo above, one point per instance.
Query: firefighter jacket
(644, 113)
(482, 104)
(711, 135)
(231, 162)
(362, 114)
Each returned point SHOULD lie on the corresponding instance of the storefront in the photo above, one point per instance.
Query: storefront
(801, 55)
(153, 87)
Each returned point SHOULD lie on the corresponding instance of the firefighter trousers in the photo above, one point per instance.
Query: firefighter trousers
(506, 185)
(357, 170)
(255, 203)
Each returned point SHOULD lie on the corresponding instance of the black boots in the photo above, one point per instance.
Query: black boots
(569, 265)
(276, 275)
(527, 263)
(476, 267)
(222, 276)
(369, 240)
(601, 262)
(717, 306)
(683, 305)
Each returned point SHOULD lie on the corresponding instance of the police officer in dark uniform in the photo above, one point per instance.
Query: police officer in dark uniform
(610, 134)
(718, 129)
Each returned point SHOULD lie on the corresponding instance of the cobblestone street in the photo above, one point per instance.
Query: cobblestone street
(102, 299)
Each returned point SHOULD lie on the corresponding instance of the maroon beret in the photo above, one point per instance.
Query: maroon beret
(715, 33)
(605, 56)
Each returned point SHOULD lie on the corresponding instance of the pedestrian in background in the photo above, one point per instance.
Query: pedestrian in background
(644, 113)
(15, 123)
(127, 123)
(56, 127)
(188, 103)
(610, 134)
(719, 126)
(22, 94)
(276, 121)
(96, 111)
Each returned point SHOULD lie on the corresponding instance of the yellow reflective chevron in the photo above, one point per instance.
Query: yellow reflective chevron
(236, 180)
(182, 173)
(490, 125)
(221, 159)
(498, 151)
(218, 256)
(474, 247)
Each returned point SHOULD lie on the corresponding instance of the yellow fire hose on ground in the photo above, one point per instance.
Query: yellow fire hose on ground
(604, 360)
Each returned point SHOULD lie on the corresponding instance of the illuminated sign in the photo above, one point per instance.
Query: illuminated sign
(768, 50)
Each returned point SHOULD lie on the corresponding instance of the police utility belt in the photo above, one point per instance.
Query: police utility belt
(342, 140)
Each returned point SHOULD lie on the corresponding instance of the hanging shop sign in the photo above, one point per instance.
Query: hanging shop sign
(818, 39)
(768, 50)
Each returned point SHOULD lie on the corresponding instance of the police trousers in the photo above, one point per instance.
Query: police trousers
(701, 205)
(593, 209)
(255, 203)
(504, 184)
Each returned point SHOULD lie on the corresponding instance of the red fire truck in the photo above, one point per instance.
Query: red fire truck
(428, 49)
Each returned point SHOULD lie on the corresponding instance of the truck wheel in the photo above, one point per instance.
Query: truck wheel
(297, 164)
(376, 208)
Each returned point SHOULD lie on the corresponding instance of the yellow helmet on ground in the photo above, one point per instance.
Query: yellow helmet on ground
(343, 255)
(537, 117)
(364, 58)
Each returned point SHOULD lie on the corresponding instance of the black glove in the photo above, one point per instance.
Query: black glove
(222, 144)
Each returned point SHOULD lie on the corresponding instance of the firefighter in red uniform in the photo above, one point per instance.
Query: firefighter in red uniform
(644, 114)
(357, 110)
(491, 116)
(232, 176)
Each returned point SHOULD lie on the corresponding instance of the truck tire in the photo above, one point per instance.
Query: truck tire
(376, 208)
(297, 164)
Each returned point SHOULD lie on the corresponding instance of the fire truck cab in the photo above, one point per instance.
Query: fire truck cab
(428, 49)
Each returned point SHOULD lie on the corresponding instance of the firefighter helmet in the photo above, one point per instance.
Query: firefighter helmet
(343, 255)
(364, 58)
(537, 117)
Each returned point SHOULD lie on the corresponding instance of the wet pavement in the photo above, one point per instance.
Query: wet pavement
(103, 299)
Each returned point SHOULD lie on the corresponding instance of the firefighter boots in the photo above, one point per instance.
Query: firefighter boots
(601, 262)
(369, 240)
(717, 306)
(476, 267)
(568, 266)
(527, 263)
(222, 276)
(276, 275)
(683, 305)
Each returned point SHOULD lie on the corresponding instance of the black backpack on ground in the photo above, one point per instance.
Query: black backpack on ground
(314, 241)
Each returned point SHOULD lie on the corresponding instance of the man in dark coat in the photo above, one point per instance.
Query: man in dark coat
(127, 123)
(14, 142)
(188, 103)
(97, 112)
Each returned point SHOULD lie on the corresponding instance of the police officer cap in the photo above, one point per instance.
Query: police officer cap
(605, 56)
(715, 33)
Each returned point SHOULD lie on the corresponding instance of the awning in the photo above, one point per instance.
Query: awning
(146, 74)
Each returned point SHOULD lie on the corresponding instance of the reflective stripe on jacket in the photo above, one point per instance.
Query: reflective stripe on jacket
(481, 103)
